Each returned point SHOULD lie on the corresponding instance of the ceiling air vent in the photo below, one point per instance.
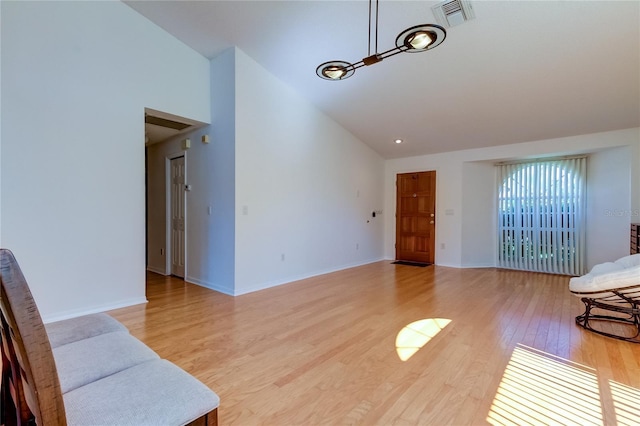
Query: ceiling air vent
(450, 13)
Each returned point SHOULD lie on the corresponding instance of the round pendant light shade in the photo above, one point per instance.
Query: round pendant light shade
(421, 38)
(335, 70)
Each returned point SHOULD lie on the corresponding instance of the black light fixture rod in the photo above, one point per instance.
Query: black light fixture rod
(391, 52)
(369, 40)
(377, 57)
(376, 26)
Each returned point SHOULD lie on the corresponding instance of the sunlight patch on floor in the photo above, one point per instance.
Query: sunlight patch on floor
(417, 334)
(540, 389)
(626, 402)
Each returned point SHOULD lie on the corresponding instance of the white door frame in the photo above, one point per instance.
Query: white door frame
(167, 187)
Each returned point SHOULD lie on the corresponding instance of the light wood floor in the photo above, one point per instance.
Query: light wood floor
(323, 350)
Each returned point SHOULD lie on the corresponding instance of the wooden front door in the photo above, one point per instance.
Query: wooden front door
(416, 216)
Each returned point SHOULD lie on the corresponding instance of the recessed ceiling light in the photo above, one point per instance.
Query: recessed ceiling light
(398, 140)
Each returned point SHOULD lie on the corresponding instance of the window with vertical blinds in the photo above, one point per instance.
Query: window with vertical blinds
(541, 216)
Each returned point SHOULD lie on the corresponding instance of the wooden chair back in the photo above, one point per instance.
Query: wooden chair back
(30, 387)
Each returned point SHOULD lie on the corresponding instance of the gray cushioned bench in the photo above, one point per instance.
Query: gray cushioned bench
(74, 329)
(88, 370)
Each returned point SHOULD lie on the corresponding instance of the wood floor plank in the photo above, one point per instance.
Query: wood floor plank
(323, 350)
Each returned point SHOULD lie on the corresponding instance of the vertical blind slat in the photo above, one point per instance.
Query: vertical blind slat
(541, 216)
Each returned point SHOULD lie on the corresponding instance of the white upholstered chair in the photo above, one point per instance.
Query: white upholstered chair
(611, 294)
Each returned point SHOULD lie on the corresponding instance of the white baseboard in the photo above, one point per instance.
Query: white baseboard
(264, 286)
(478, 265)
(101, 308)
(211, 286)
(156, 270)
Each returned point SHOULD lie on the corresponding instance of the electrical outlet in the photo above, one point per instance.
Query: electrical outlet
(282, 257)
(357, 246)
(441, 246)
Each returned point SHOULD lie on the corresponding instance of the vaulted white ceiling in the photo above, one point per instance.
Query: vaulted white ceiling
(520, 71)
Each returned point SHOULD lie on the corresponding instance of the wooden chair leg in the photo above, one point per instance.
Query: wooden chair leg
(7, 410)
(15, 407)
(209, 419)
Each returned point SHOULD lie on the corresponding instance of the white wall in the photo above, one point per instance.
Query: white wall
(609, 211)
(308, 187)
(210, 238)
(76, 77)
(216, 269)
(635, 182)
(72, 161)
(478, 245)
(461, 185)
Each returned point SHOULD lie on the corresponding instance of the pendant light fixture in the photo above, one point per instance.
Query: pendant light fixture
(412, 40)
